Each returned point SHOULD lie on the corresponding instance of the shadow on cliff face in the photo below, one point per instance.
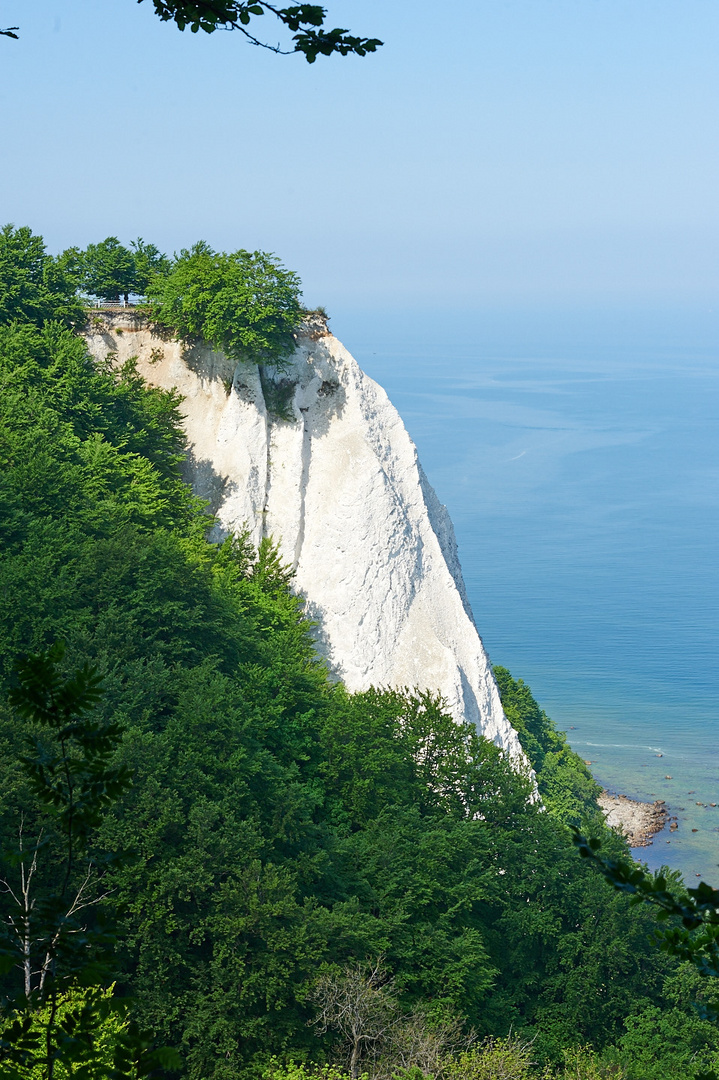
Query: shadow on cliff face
(280, 392)
(109, 344)
(331, 398)
(209, 364)
(207, 484)
(314, 612)
(329, 406)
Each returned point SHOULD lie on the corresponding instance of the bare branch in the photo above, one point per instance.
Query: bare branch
(359, 1004)
(79, 903)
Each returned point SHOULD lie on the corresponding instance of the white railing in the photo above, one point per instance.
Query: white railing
(120, 305)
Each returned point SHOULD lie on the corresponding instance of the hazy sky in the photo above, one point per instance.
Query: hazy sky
(503, 151)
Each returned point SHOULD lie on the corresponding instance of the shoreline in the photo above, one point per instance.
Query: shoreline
(638, 821)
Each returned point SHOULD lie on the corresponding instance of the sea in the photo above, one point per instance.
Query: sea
(578, 455)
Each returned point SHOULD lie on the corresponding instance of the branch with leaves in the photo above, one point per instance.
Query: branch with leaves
(306, 22)
(694, 937)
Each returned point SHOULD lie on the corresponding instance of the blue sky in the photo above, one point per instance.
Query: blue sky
(506, 152)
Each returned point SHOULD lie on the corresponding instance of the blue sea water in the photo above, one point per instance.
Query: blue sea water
(578, 454)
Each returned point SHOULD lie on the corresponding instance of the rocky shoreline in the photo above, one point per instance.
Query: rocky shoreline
(638, 821)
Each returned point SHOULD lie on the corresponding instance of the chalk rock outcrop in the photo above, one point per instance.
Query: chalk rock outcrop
(330, 472)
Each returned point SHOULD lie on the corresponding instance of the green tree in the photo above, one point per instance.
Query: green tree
(108, 270)
(148, 263)
(583, 1063)
(510, 1058)
(244, 302)
(565, 784)
(691, 915)
(689, 930)
(34, 288)
(71, 263)
(78, 1012)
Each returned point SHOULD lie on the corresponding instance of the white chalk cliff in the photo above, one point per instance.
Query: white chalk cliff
(340, 488)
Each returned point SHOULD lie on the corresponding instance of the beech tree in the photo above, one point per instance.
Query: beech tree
(149, 262)
(34, 287)
(244, 302)
(109, 269)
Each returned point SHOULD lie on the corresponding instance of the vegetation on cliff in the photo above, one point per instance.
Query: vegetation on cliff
(244, 302)
(280, 831)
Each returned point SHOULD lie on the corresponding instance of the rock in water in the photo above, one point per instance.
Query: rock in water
(317, 457)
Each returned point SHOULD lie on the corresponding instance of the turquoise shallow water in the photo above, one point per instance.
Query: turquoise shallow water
(578, 455)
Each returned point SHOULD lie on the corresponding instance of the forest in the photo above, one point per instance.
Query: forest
(276, 878)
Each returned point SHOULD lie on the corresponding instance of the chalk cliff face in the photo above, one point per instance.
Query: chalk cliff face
(338, 485)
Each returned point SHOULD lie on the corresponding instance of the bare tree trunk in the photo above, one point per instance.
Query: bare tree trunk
(27, 968)
(355, 1059)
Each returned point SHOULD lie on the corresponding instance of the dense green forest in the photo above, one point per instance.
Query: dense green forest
(285, 844)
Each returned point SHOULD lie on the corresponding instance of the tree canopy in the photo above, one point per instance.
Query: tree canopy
(34, 287)
(108, 270)
(244, 302)
(281, 832)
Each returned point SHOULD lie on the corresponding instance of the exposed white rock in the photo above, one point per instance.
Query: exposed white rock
(340, 488)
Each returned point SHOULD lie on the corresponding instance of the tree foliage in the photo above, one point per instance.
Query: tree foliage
(510, 1058)
(149, 262)
(34, 287)
(109, 270)
(566, 785)
(306, 23)
(282, 829)
(688, 918)
(244, 302)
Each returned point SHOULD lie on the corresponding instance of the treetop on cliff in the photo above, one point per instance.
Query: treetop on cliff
(244, 302)
(109, 270)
